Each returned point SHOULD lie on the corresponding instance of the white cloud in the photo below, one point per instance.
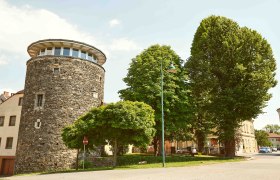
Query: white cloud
(114, 22)
(123, 44)
(3, 59)
(20, 26)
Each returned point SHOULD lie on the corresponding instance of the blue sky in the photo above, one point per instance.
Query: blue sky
(122, 29)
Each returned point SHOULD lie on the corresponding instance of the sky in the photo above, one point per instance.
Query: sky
(123, 29)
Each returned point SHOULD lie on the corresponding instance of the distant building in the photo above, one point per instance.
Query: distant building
(246, 141)
(10, 111)
(274, 139)
(4, 96)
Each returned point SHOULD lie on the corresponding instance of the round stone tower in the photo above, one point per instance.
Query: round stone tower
(64, 79)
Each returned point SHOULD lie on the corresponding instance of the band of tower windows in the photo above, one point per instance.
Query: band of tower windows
(64, 51)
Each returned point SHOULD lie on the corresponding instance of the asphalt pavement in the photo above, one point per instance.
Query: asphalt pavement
(259, 167)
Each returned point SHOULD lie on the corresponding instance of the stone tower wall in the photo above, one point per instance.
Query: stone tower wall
(69, 93)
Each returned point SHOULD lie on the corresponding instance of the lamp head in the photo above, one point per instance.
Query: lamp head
(172, 68)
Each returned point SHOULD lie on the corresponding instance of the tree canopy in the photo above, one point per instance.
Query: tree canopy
(144, 84)
(262, 138)
(231, 69)
(120, 123)
(272, 128)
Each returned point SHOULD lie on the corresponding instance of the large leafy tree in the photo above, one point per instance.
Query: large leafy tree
(232, 69)
(118, 124)
(144, 84)
(262, 138)
(272, 128)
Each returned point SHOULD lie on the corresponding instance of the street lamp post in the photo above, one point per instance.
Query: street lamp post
(278, 110)
(171, 69)
(162, 118)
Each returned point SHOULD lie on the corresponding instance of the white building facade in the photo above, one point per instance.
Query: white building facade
(10, 112)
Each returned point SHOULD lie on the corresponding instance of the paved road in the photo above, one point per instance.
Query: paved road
(261, 166)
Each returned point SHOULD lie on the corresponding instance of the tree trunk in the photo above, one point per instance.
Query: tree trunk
(77, 159)
(200, 137)
(155, 143)
(115, 153)
(230, 148)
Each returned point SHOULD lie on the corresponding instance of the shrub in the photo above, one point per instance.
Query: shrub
(88, 164)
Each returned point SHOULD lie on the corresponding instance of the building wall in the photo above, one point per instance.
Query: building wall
(247, 142)
(274, 139)
(67, 95)
(9, 108)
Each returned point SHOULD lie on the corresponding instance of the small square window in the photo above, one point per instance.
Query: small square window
(2, 120)
(56, 71)
(12, 121)
(20, 101)
(9, 143)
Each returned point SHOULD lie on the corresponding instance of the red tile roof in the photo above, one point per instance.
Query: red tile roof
(273, 135)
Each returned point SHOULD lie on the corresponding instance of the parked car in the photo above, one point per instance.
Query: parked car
(269, 149)
(264, 150)
(183, 150)
(274, 149)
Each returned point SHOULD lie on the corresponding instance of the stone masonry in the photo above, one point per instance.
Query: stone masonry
(67, 94)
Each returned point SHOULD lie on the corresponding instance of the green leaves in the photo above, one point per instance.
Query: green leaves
(262, 138)
(128, 122)
(144, 85)
(231, 69)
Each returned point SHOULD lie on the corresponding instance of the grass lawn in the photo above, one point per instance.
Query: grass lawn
(179, 161)
(131, 162)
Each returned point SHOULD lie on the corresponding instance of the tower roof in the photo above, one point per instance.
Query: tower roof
(34, 48)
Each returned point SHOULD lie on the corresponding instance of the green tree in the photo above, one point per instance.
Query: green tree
(235, 68)
(272, 128)
(118, 124)
(144, 84)
(73, 135)
(262, 138)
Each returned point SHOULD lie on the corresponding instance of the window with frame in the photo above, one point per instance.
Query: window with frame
(49, 51)
(90, 57)
(75, 52)
(39, 101)
(66, 51)
(2, 120)
(94, 59)
(57, 51)
(9, 143)
(12, 121)
(20, 101)
(83, 54)
(56, 71)
(42, 52)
